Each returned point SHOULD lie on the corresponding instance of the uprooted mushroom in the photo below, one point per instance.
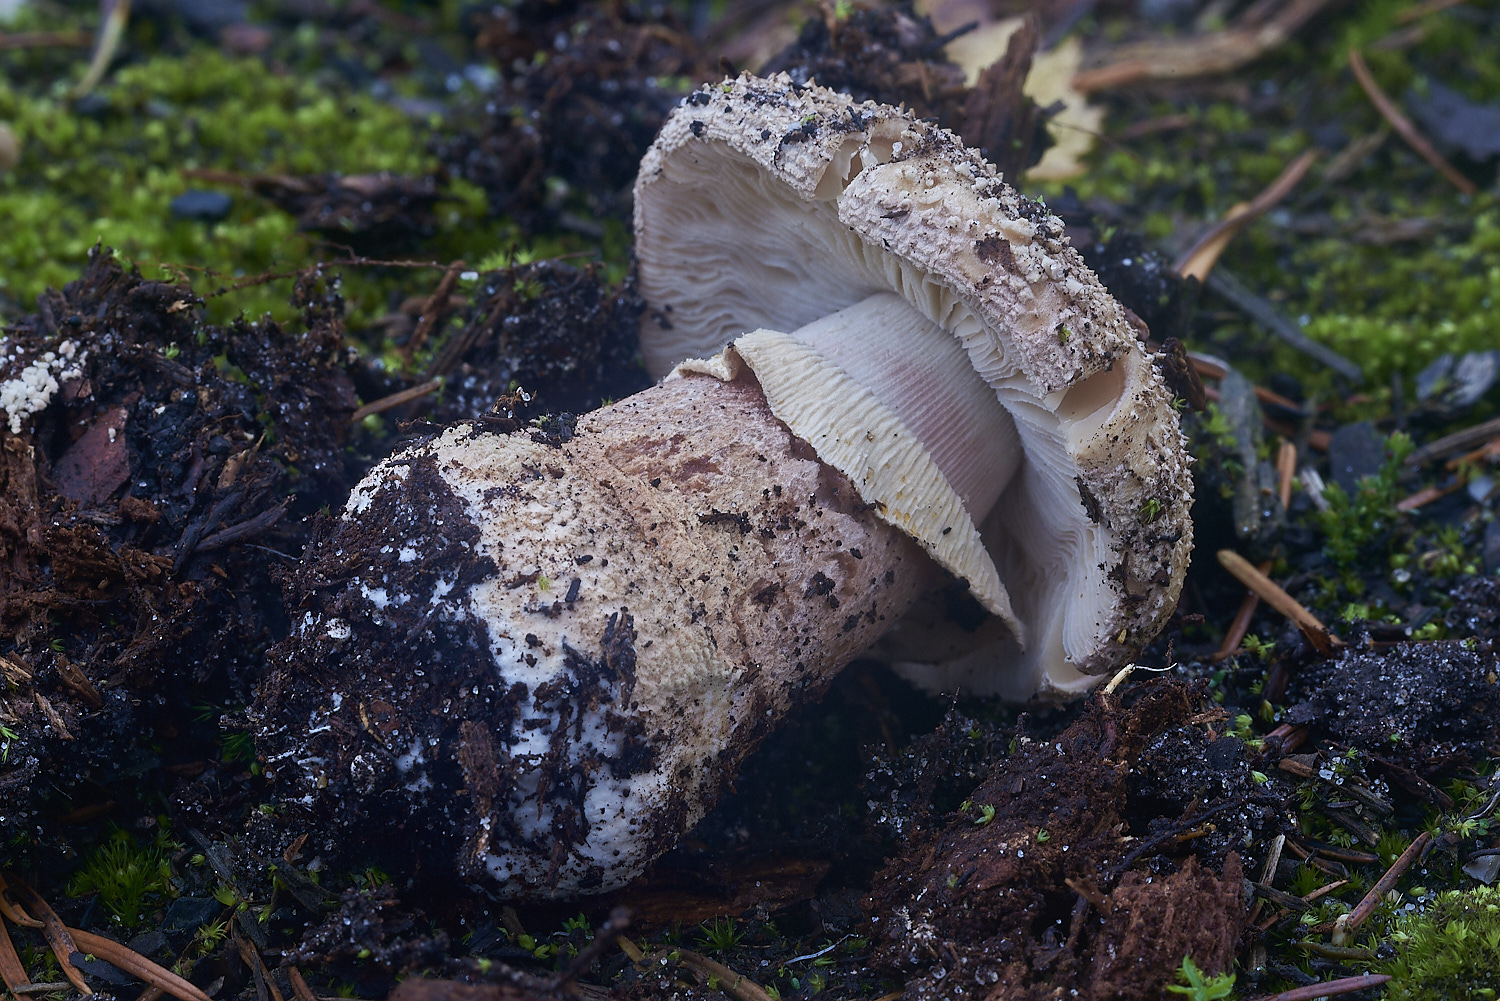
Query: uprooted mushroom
(541, 652)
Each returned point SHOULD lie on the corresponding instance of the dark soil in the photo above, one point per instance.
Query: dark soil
(893, 55)
(557, 331)
(1020, 894)
(139, 522)
(584, 89)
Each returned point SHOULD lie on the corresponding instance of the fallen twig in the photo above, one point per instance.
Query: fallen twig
(1197, 55)
(11, 970)
(416, 392)
(1458, 441)
(1347, 985)
(1286, 469)
(62, 943)
(1324, 891)
(611, 932)
(1272, 594)
(1404, 126)
(1241, 624)
(1422, 10)
(299, 985)
(736, 985)
(435, 307)
(137, 966)
(111, 30)
(1199, 259)
(1427, 495)
(1384, 884)
(1268, 316)
(46, 40)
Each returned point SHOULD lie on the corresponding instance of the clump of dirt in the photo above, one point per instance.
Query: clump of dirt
(893, 55)
(369, 212)
(1476, 608)
(1430, 706)
(373, 926)
(932, 775)
(557, 331)
(155, 470)
(1140, 277)
(584, 88)
(385, 759)
(1081, 863)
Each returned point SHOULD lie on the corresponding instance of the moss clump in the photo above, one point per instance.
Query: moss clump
(127, 876)
(1384, 261)
(1450, 951)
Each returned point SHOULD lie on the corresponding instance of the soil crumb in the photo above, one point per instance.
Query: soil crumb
(893, 55)
(1067, 873)
(150, 477)
(583, 89)
(1430, 706)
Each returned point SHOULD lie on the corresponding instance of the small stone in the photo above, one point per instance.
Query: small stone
(92, 105)
(1457, 383)
(202, 206)
(1355, 451)
(186, 915)
(149, 943)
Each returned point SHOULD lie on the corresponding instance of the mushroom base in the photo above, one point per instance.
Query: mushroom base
(536, 663)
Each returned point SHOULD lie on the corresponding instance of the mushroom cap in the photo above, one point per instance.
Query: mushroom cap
(764, 205)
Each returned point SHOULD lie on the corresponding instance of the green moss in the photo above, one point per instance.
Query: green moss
(1448, 951)
(110, 178)
(127, 877)
(1391, 307)
(1353, 525)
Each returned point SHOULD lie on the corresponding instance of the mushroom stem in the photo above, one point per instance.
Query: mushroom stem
(922, 373)
(544, 659)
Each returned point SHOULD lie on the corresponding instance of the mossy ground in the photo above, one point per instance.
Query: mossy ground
(366, 94)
